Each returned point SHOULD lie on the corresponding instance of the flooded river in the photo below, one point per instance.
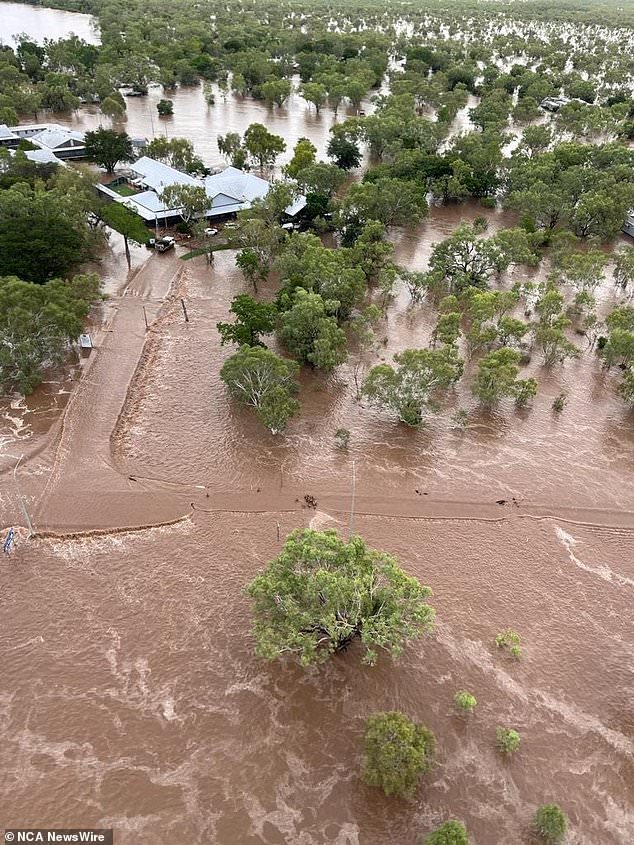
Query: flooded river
(129, 693)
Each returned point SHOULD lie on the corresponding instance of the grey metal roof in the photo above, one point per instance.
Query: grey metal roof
(157, 175)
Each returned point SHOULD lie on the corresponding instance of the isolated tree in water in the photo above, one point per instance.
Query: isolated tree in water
(322, 593)
(397, 753)
(265, 382)
(550, 823)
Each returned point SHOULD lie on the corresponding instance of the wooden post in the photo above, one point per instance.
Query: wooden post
(145, 318)
(184, 311)
(278, 531)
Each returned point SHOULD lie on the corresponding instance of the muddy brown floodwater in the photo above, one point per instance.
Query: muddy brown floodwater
(129, 693)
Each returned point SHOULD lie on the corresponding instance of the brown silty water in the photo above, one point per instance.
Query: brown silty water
(130, 694)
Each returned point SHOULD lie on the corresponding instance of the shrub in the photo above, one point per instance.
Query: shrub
(450, 833)
(165, 107)
(550, 823)
(559, 403)
(342, 436)
(507, 739)
(465, 701)
(511, 641)
(397, 753)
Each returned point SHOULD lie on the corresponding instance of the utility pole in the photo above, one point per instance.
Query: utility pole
(184, 311)
(21, 500)
(352, 502)
(145, 317)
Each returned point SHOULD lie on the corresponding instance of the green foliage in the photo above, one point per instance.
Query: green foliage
(465, 701)
(449, 833)
(345, 153)
(253, 319)
(322, 593)
(44, 231)
(342, 438)
(550, 823)
(177, 152)
(507, 740)
(497, 378)
(165, 108)
(126, 222)
(304, 155)
(393, 202)
(559, 403)
(276, 91)
(410, 389)
(188, 200)
(397, 752)
(510, 640)
(37, 325)
(310, 333)
(107, 147)
(262, 145)
(265, 382)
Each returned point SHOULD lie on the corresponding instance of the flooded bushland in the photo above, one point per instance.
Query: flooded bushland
(130, 695)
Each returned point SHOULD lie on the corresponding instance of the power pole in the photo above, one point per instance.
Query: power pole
(184, 311)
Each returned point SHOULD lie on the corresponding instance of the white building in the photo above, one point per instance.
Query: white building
(230, 191)
(51, 137)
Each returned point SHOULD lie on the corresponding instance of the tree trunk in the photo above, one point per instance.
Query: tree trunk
(127, 251)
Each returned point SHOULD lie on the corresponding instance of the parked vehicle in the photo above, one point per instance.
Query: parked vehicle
(163, 244)
(209, 233)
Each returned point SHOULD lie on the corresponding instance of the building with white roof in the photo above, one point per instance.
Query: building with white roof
(230, 191)
(62, 142)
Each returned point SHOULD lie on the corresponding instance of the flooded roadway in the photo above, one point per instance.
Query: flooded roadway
(129, 693)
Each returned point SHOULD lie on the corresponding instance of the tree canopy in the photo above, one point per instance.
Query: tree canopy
(322, 593)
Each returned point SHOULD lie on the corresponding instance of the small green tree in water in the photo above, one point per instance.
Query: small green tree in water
(397, 753)
(449, 833)
(507, 740)
(550, 823)
(322, 593)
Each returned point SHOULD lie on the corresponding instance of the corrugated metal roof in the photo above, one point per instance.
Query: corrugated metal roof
(157, 175)
(244, 187)
(6, 134)
(54, 137)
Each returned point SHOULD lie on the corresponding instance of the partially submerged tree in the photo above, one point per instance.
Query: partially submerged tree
(414, 385)
(497, 378)
(265, 382)
(550, 823)
(449, 833)
(37, 325)
(253, 319)
(322, 593)
(310, 332)
(126, 223)
(397, 752)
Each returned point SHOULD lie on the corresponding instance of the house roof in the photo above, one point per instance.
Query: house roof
(230, 191)
(157, 175)
(43, 157)
(6, 134)
(55, 137)
(244, 187)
